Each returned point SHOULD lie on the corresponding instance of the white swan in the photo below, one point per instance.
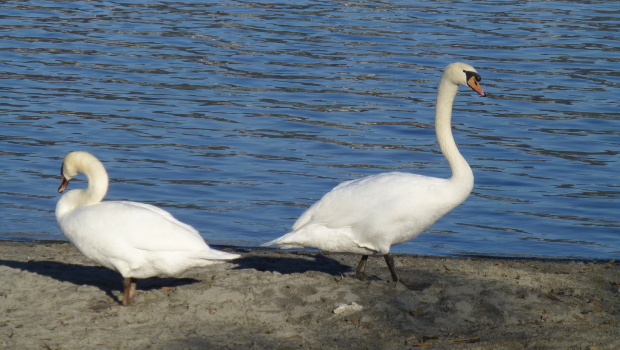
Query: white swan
(371, 214)
(136, 239)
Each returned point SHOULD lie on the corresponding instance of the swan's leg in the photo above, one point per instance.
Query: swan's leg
(361, 268)
(415, 286)
(390, 263)
(129, 294)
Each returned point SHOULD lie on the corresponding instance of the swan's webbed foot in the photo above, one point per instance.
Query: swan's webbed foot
(364, 277)
(129, 293)
(361, 277)
(410, 285)
(360, 273)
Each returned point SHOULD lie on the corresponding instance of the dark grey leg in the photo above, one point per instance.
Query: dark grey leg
(361, 268)
(390, 263)
(415, 286)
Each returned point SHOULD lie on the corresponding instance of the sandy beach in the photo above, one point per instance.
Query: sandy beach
(52, 297)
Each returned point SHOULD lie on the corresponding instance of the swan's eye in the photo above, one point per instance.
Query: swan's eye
(62, 167)
(469, 75)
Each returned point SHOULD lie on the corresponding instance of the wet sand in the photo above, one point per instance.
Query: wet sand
(52, 297)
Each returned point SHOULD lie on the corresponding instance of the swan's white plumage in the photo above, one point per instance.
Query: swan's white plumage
(341, 220)
(371, 214)
(136, 239)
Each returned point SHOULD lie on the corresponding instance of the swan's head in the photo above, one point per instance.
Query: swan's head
(75, 163)
(463, 74)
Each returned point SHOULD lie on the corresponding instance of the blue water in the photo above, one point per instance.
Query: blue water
(237, 116)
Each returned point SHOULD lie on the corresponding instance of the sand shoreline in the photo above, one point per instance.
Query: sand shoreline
(53, 297)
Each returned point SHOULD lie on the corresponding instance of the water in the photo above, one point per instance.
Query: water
(237, 116)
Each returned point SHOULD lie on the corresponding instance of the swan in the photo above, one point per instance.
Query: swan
(138, 240)
(369, 215)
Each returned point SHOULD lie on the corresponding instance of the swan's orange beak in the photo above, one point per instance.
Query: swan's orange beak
(473, 83)
(63, 184)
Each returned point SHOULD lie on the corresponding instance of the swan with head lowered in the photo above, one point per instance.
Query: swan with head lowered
(136, 239)
(369, 215)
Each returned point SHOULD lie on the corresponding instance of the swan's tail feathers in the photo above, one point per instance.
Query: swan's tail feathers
(282, 243)
(215, 254)
(269, 243)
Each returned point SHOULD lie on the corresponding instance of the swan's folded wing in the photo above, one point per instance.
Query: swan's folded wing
(147, 227)
(164, 214)
(316, 214)
(352, 202)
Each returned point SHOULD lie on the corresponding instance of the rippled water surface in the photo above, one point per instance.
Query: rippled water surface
(237, 116)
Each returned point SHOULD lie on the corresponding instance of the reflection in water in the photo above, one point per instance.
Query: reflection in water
(238, 115)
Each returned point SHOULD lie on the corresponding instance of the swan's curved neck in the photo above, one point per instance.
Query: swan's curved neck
(97, 183)
(461, 172)
(97, 187)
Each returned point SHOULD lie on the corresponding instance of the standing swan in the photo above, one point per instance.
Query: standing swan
(136, 239)
(369, 215)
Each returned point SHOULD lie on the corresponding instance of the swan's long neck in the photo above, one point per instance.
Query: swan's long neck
(97, 183)
(97, 187)
(462, 176)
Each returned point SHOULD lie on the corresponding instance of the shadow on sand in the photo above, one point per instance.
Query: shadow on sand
(293, 262)
(103, 278)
